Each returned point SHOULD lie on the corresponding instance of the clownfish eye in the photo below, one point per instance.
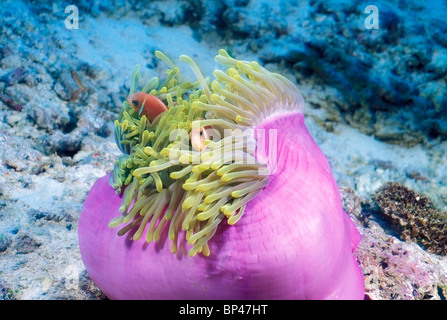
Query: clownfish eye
(135, 103)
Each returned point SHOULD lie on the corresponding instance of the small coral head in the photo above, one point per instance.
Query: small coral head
(147, 105)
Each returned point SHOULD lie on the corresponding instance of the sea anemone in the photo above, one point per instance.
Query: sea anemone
(230, 176)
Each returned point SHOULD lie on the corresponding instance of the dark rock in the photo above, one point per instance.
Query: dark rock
(13, 76)
(60, 214)
(4, 51)
(390, 23)
(6, 293)
(66, 86)
(26, 244)
(50, 115)
(87, 285)
(10, 102)
(65, 145)
(93, 123)
(5, 242)
(439, 32)
(31, 78)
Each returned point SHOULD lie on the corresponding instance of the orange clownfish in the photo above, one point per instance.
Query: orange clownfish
(152, 105)
(198, 137)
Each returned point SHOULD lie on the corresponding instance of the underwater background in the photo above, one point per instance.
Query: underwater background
(373, 75)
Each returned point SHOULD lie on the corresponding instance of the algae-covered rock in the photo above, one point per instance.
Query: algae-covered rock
(393, 268)
(413, 216)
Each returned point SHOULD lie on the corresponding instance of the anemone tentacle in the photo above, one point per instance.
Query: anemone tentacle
(165, 181)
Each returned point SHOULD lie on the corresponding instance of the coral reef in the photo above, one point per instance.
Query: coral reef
(385, 78)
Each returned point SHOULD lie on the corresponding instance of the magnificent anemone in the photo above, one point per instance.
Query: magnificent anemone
(230, 175)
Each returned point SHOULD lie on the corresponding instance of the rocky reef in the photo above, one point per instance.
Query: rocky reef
(390, 81)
